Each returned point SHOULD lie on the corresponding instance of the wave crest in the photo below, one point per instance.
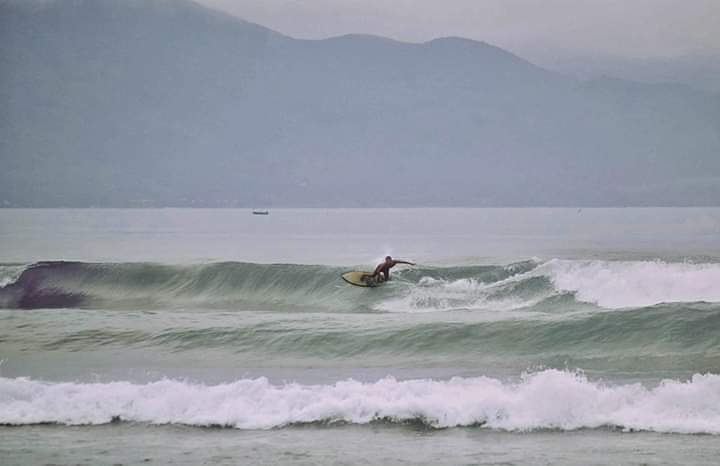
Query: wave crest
(549, 399)
(621, 284)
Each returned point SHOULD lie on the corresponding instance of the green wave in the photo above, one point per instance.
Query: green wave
(234, 285)
(671, 336)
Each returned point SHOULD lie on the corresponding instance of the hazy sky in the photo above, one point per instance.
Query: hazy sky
(632, 28)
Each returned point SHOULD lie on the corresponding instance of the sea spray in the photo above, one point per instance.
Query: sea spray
(624, 284)
(549, 399)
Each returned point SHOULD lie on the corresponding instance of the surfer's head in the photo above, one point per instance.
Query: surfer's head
(388, 259)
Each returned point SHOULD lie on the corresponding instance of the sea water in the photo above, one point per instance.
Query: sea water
(523, 336)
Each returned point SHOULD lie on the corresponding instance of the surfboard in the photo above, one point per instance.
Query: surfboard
(361, 279)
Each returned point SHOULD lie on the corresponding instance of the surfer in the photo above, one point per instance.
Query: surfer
(383, 269)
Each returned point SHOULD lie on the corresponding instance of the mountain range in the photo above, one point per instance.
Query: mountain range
(126, 103)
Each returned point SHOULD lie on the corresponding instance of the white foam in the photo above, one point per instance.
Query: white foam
(550, 399)
(617, 285)
(466, 293)
(610, 284)
(10, 273)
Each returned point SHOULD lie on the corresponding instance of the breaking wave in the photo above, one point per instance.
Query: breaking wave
(635, 284)
(549, 399)
(235, 285)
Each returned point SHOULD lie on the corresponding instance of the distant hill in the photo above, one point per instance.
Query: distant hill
(159, 102)
(700, 72)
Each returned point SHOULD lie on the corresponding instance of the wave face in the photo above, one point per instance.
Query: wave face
(676, 339)
(248, 286)
(549, 399)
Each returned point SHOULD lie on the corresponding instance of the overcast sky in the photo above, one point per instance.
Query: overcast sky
(630, 28)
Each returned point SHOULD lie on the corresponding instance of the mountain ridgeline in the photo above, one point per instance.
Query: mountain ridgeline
(167, 103)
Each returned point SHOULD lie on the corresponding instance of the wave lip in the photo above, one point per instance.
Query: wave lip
(9, 273)
(623, 284)
(550, 399)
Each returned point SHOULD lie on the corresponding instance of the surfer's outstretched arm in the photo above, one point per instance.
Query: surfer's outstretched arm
(405, 262)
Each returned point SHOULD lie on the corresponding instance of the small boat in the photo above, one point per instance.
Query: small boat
(261, 212)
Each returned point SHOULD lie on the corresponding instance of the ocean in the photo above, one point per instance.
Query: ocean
(213, 336)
